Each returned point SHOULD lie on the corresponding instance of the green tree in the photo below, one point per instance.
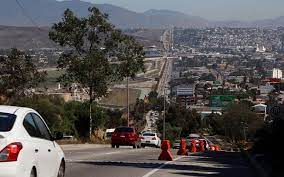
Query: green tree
(208, 77)
(215, 124)
(240, 122)
(18, 74)
(153, 99)
(93, 42)
(50, 108)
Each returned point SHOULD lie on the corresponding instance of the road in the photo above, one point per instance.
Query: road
(165, 78)
(103, 161)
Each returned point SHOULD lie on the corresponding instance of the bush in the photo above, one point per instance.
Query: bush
(71, 118)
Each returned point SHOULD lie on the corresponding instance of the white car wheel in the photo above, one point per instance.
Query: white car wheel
(61, 171)
(33, 173)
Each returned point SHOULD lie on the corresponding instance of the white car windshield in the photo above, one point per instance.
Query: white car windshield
(148, 134)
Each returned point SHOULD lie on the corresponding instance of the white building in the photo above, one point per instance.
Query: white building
(277, 73)
(260, 49)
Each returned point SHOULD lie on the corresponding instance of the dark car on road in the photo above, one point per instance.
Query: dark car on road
(176, 144)
(125, 136)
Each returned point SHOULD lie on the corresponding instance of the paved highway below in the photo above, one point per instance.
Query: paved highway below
(103, 161)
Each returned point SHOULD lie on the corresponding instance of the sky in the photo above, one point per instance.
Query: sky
(245, 10)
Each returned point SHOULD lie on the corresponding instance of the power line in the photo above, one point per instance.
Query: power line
(26, 14)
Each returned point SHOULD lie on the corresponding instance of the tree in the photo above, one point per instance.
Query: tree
(130, 56)
(18, 74)
(240, 122)
(153, 98)
(208, 77)
(92, 43)
(49, 107)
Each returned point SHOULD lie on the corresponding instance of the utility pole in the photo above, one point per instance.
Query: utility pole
(164, 118)
(127, 83)
(91, 120)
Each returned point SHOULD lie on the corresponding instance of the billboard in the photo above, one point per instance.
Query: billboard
(221, 101)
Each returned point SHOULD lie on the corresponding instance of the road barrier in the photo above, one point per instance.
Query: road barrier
(166, 151)
(193, 146)
(182, 148)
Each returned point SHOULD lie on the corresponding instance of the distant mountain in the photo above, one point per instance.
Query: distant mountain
(167, 18)
(268, 23)
(47, 12)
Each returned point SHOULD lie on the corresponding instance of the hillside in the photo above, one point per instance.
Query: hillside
(32, 37)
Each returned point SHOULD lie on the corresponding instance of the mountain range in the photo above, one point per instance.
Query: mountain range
(47, 12)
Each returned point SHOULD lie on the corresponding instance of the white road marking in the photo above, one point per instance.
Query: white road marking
(116, 152)
(161, 167)
(101, 154)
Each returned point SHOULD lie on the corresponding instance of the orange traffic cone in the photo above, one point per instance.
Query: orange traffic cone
(182, 148)
(201, 146)
(193, 146)
(217, 148)
(212, 147)
(166, 151)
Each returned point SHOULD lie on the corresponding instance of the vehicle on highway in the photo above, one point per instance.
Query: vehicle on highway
(125, 136)
(176, 144)
(150, 139)
(27, 148)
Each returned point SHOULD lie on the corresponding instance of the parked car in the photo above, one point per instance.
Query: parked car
(27, 148)
(125, 136)
(150, 139)
(108, 133)
(176, 144)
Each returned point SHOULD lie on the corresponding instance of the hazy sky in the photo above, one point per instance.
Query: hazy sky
(210, 9)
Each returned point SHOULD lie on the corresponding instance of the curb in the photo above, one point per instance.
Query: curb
(255, 165)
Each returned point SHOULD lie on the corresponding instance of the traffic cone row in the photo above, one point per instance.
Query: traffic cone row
(215, 147)
(166, 149)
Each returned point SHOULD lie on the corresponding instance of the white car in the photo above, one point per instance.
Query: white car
(27, 148)
(150, 139)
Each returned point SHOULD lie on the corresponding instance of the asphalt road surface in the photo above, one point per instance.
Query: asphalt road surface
(103, 161)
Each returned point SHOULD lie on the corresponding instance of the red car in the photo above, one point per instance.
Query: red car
(125, 136)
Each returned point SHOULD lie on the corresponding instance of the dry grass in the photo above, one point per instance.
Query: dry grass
(118, 97)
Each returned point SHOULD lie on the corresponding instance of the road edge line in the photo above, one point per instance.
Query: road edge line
(161, 167)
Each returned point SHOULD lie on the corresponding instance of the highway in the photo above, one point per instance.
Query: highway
(103, 161)
(165, 78)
